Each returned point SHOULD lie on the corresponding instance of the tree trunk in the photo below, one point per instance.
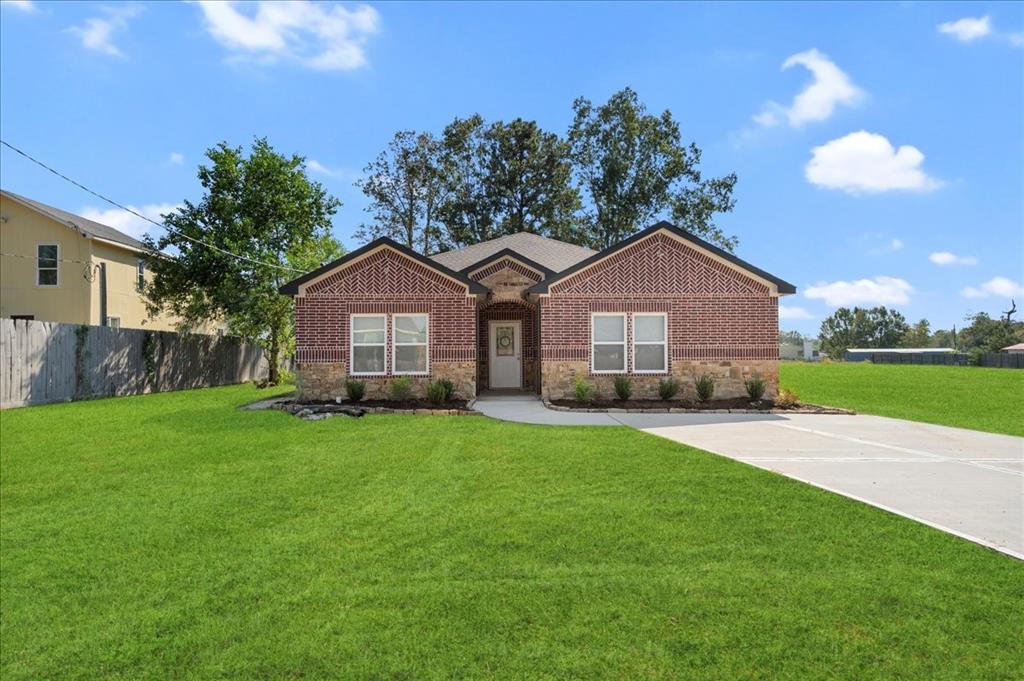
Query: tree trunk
(274, 360)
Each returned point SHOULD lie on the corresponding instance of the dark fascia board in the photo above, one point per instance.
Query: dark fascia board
(507, 253)
(292, 287)
(784, 286)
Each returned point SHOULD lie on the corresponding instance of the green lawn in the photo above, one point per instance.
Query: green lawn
(175, 536)
(965, 397)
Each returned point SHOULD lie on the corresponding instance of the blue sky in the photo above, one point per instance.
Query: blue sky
(880, 147)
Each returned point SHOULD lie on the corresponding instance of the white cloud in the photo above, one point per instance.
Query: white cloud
(788, 312)
(23, 5)
(875, 291)
(325, 37)
(947, 258)
(130, 224)
(830, 87)
(318, 167)
(967, 29)
(176, 158)
(864, 162)
(996, 286)
(895, 244)
(97, 33)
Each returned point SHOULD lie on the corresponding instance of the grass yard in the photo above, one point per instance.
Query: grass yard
(965, 397)
(175, 536)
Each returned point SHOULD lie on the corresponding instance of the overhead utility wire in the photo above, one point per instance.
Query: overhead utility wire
(140, 215)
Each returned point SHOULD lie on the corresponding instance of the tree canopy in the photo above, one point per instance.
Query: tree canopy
(877, 327)
(260, 222)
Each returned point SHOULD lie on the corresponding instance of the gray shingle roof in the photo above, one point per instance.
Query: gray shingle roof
(82, 224)
(551, 253)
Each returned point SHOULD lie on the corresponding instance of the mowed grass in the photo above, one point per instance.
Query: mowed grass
(966, 397)
(173, 536)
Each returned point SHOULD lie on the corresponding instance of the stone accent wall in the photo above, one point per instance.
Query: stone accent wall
(326, 381)
(558, 379)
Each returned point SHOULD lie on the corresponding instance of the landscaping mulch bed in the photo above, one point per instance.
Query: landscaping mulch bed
(317, 411)
(734, 405)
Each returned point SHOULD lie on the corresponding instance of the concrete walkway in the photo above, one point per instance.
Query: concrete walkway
(964, 482)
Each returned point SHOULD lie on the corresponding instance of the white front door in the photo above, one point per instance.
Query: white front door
(505, 355)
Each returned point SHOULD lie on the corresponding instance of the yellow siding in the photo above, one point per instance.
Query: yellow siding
(20, 231)
(74, 300)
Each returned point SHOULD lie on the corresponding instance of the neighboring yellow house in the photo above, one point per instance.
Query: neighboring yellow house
(59, 267)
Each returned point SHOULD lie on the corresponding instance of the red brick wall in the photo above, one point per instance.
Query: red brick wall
(714, 312)
(389, 283)
(509, 310)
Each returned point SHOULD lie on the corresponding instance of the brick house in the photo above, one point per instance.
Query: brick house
(532, 313)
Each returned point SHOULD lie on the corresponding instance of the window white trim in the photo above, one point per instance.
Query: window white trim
(663, 343)
(38, 268)
(594, 343)
(352, 345)
(395, 344)
(140, 275)
(113, 322)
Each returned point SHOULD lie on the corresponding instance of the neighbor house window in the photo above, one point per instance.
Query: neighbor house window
(608, 339)
(140, 275)
(411, 343)
(47, 259)
(650, 346)
(369, 346)
(114, 322)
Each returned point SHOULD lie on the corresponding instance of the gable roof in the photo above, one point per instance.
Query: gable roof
(507, 253)
(783, 286)
(86, 227)
(292, 287)
(552, 254)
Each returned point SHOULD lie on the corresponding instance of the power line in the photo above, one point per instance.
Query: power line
(143, 217)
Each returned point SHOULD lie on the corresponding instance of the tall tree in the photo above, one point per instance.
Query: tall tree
(917, 336)
(466, 212)
(261, 207)
(634, 168)
(989, 335)
(406, 188)
(877, 327)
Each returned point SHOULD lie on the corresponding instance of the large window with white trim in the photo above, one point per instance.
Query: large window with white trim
(47, 263)
(608, 343)
(411, 343)
(650, 343)
(369, 344)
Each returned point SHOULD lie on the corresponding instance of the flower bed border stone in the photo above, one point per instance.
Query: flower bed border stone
(802, 409)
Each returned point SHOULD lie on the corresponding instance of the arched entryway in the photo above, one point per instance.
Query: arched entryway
(507, 333)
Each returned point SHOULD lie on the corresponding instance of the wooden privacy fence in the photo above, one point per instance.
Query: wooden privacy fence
(44, 362)
(1002, 360)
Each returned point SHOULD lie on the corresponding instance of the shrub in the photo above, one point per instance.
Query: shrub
(705, 387)
(667, 388)
(755, 388)
(623, 387)
(974, 356)
(355, 390)
(584, 391)
(787, 399)
(440, 391)
(401, 388)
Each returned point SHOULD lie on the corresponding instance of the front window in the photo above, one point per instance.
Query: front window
(608, 336)
(411, 343)
(650, 349)
(47, 259)
(369, 347)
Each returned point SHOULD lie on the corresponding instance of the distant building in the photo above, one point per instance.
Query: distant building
(1014, 349)
(807, 351)
(862, 354)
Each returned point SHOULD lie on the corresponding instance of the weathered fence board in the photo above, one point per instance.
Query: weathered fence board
(43, 362)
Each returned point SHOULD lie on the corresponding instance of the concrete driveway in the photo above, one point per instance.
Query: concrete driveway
(964, 482)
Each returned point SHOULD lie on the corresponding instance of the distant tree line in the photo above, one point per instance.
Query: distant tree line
(617, 169)
(880, 327)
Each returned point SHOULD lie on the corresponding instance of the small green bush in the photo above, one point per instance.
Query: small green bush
(705, 387)
(355, 389)
(584, 391)
(623, 387)
(668, 388)
(401, 388)
(440, 391)
(787, 398)
(755, 388)
(974, 356)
